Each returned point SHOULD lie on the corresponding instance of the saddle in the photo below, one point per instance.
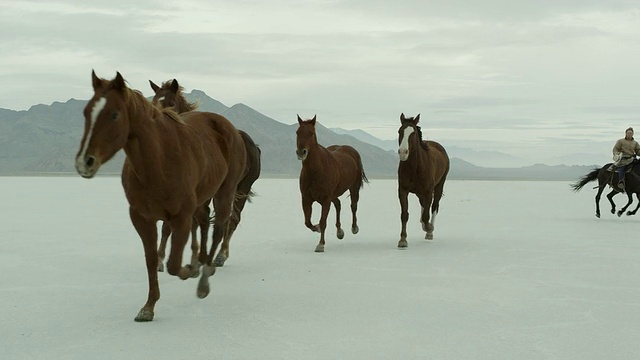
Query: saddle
(628, 169)
(613, 167)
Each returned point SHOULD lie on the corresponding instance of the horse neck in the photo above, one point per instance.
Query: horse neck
(145, 145)
(182, 105)
(416, 159)
(315, 161)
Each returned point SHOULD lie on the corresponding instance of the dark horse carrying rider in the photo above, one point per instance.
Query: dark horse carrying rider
(624, 152)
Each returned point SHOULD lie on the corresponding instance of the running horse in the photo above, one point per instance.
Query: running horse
(170, 94)
(605, 177)
(325, 175)
(422, 170)
(173, 165)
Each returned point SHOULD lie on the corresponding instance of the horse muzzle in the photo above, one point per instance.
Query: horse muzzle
(88, 166)
(302, 154)
(403, 154)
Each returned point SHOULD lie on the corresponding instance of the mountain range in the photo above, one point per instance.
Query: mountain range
(44, 140)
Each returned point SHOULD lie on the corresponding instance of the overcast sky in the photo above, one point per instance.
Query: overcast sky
(509, 75)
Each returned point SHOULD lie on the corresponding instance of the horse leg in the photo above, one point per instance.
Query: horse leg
(610, 198)
(598, 194)
(624, 208)
(637, 206)
(307, 203)
(425, 202)
(223, 204)
(340, 232)
(404, 216)
(166, 232)
(231, 227)
(354, 193)
(323, 224)
(435, 207)
(223, 254)
(200, 219)
(149, 236)
(180, 230)
(193, 264)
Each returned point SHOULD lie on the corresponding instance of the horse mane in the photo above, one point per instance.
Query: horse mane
(423, 144)
(181, 101)
(136, 99)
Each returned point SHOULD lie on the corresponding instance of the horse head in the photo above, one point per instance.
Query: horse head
(409, 136)
(170, 95)
(165, 95)
(106, 125)
(305, 137)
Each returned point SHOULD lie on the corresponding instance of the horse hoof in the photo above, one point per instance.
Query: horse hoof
(316, 228)
(340, 234)
(203, 284)
(629, 213)
(144, 315)
(355, 229)
(184, 273)
(219, 260)
(402, 244)
(194, 271)
(429, 236)
(160, 266)
(320, 248)
(203, 287)
(598, 215)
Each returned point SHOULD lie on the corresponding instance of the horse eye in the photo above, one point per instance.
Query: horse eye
(114, 115)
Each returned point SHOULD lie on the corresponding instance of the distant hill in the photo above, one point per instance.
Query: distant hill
(45, 139)
(461, 169)
(480, 158)
(487, 159)
(389, 145)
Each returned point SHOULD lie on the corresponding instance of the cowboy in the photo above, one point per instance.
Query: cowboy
(624, 152)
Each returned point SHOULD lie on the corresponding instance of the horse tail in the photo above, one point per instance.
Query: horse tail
(250, 195)
(593, 175)
(362, 174)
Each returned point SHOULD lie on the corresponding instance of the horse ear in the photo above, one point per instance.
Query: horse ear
(154, 87)
(96, 81)
(175, 86)
(299, 120)
(402, 118)
(417, 119)
(118, 83)
(313, 121)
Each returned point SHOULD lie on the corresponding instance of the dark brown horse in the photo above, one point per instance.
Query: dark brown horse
(605, 177)
(170, 95)
(326, 174)
(423, 170)
(173, 165)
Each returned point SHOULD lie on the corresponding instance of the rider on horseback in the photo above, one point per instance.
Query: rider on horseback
(624, 152)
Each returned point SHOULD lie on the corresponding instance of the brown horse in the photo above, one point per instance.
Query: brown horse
(423, 169)
(170, 95)
(173, 165)
(326, 174)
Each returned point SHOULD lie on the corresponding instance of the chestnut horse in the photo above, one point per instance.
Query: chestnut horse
(170, 95)
(173, 165)
(326, 174)
(423, 169)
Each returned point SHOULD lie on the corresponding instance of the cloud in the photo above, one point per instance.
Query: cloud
(481, 69)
